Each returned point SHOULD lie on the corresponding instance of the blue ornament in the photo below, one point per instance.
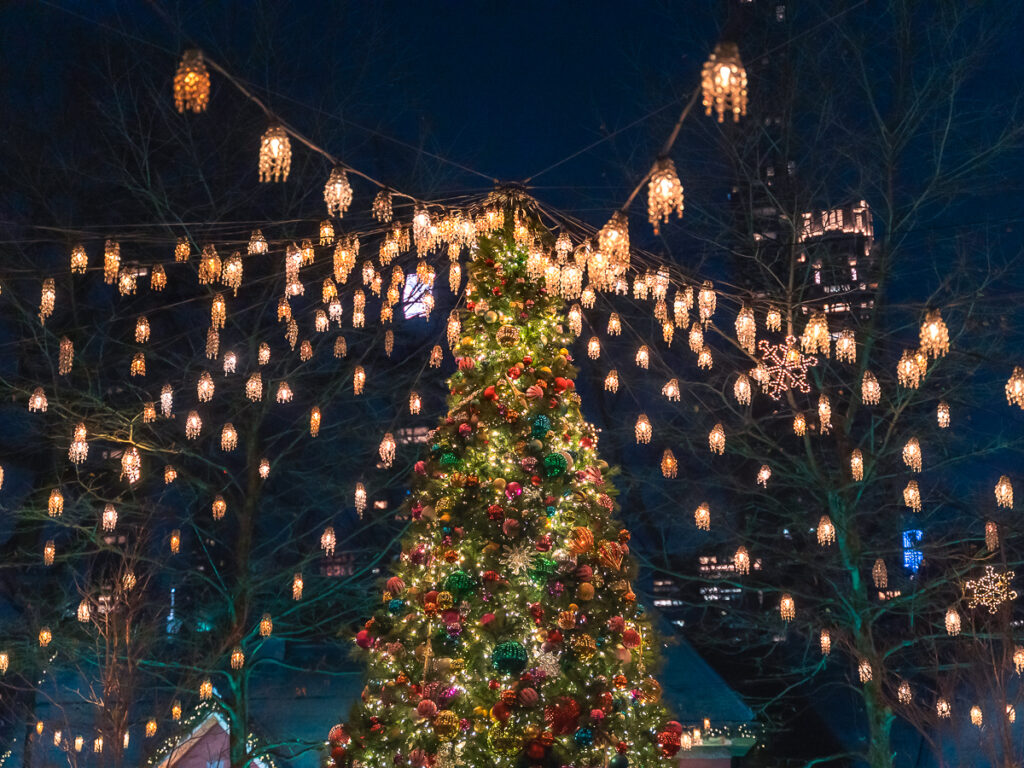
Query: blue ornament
(541, 426)
(550, 511)
(584, 737)
(395, 605)
(619, 761)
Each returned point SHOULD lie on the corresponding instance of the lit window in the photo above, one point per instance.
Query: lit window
(912, 557)
(780, 13)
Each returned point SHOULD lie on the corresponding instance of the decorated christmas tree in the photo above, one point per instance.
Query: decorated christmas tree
(509, 633)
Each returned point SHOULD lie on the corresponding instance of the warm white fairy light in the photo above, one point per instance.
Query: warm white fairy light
(870, 391)
(908, 372)
(643, 356)
(903, 693)
(209, 265)
(337, 192)
(387, 448)
(702, 517)
(773, 319)
(79, 260)
(787, 607)
(664, 193)
(37, 401)
(232, 272)
(857, 465)
(275, 155)
(934, 335)
(328, 541)
(991, 535)
(746, 329)
(297, 585)
(724, 82)
(826, 531)
(696, 338)
(880, 574)
(976, 716)
(47, 299)
(741, 389)
(669, 464)
(55, 504)
(912, 454)
(138, 365)
(594, 348)
(824, 414)
(45, 637)
(84, 612)
(131, 465)
(108, 520)
(671, 390)
(952, 621)
(358, 380)
(825, 642)
(799, 425)
(815, 338)
(193, 425)
(741, 561)
(191, 83)
(1004, 492)
(284, 393)
(912, 496)
(254, 387)
(79, 449)
(206, 690)
(49, 552)
(237, 657)
(643, 429)
(846, 347)
(175, 541)
(716, 439)
(228, 437)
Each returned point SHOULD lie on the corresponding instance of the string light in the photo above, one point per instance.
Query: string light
(65, 357)
(991, 589)
(337, 192)
(704, 360)
(846, 347)
(219, 507)
(880, 574)
(706, 302)
(716, 439)
(799, 425)
(594, 348)
(764, 474)
(724, 82)
(903, 693)
(741, 561)
(952, 622)
(826, 532)
(912, 454)
(206, 690)
(908, 372)
(138, 366)
(1018, 659)
(857, 465)
(328, 541)
(79, 260)
(815, 338)
(193, 425)
(209, 265)
(111, 261)
(254, 387)
(297, 586)
(671, 390)
(934, 335)
(991, 536)
(1004, 492)
(669, 465)
(611, 381)
(643, 429)
(942, 414)
(386, 450)
(84, 612)
(228, 437)
(696, 339)
(79, 449)
(55, 505)
(276, 156)
(191, 83)
(284, 393)
(237, 657)
(664, 193)
(825, 642)
(131, 465)
(109, 518)
(787, 607)
(912, 496)
(746, 329)
(824, 414)
(870, 390)
(702, 517)
(741, 390)
(784, 368)
(45, 637)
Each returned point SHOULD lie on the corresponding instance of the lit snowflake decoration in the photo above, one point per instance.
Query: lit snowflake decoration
(783, 367)
(518, 559)
(991, 590)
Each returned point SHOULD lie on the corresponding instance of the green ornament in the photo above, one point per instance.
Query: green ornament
(459, 583)
(555, 464)
(449, 459)
(543, 568)
(509, 658)
(541, 426)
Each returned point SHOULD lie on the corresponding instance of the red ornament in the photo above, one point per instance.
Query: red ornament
(515, 372)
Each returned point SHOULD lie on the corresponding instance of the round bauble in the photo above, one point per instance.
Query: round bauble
(509, 658)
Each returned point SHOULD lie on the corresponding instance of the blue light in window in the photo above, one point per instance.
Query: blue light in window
(912, 557)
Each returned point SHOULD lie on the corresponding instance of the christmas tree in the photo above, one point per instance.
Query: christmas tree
(509, 633)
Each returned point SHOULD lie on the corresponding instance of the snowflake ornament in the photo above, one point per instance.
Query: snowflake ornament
(518, 559)
(784, 367)
(991, 589)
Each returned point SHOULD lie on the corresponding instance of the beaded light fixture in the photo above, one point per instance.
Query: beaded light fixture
(191, 83)
(724, 83)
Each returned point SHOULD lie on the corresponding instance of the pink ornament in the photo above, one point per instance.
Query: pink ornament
(616, 624)
(395, 585)
(528, 697)
(420, 467)
(597, 715)
(426, 709)
(466, 363)
(364, 639)
(486, 619)
(513, 489)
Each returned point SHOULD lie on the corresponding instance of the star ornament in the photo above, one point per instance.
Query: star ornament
(991, 590)
(783, 367)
